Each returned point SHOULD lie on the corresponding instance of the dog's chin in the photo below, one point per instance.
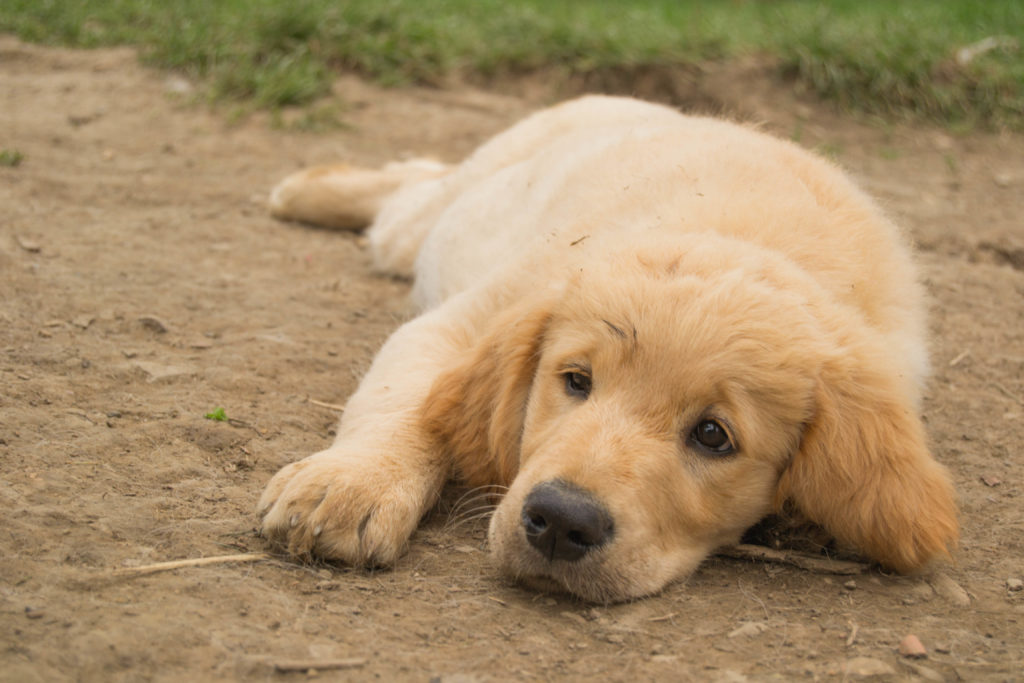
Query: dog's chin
(579, 581)
(591, 579)
(600, 577)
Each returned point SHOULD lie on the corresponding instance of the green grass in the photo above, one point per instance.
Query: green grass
(10, 157)
(217, 414)
(894, 57)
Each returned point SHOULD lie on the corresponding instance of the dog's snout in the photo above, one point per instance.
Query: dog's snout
(565, 522)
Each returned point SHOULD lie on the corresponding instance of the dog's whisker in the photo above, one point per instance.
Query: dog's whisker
(472, 507)
(487, 489)
(478, 512)
(473, 496)
(464, 521)
(473, 511)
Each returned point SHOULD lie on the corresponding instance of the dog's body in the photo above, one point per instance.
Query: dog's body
(654, 329)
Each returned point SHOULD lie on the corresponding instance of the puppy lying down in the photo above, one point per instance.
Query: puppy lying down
(653, 329)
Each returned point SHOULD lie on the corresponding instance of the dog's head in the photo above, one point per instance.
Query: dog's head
(660, 404)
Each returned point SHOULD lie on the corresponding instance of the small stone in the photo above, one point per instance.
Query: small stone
(1003, 179)
(850, 585)
(912, 647)
(83, 321)
(950, 590)
(151, 322)
(176, 85)
(1014, 585)
(29, 245)
(749, 629)
(578, 618)
(989, 480)
(158, 371)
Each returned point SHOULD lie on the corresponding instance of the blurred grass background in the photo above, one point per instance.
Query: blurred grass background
(952, 61)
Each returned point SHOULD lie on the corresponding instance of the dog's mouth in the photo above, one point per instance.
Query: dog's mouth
(559, 538)
(589, 580)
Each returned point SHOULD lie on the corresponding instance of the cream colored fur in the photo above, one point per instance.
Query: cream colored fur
(693, 270)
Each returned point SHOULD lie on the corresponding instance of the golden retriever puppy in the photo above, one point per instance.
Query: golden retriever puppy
(653, 329)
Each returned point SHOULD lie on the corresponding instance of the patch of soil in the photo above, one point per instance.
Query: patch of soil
(143, 286)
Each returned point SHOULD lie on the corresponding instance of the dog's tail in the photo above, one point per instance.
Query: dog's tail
(343, 196)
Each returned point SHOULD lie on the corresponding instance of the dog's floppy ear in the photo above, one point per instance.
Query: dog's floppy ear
(863, 470)
(475, 410)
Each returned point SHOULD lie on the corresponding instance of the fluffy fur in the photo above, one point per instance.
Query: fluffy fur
(600, 285)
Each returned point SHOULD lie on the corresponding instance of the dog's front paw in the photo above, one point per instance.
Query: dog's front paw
(338, 507)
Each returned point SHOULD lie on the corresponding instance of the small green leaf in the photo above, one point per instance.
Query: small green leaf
(217, 414)
(10, 157)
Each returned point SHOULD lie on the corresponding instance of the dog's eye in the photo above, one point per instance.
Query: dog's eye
(711, 437)
(577, 384)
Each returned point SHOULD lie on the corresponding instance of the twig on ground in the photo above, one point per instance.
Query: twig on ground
(664, 617)
(235, 422)
(801, 560)
(293, 665)
(963, 354)
(1009, 394)
(322, 404)
(193, 562)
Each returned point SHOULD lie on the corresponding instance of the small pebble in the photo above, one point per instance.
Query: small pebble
(1014, 585)
(29, 245)
(912, 647)
(850, 585)
(950, 590)
(749, 629)
(153, 323)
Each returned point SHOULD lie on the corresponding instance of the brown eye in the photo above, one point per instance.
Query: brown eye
(711, 437)
(577, 384)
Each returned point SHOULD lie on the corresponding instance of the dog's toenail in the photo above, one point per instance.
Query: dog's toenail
(318, 529)
(294, 520)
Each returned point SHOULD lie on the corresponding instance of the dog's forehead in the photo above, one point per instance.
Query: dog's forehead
(712, 335)
(638, 311)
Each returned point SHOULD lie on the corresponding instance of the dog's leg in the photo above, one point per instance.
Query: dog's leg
(360, 500)
(342, 196)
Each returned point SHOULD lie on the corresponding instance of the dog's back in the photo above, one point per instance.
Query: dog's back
(569, 179)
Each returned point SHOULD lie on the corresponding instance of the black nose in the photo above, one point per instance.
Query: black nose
(565, 522)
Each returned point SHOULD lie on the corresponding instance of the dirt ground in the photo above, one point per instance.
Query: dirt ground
(143, 285)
